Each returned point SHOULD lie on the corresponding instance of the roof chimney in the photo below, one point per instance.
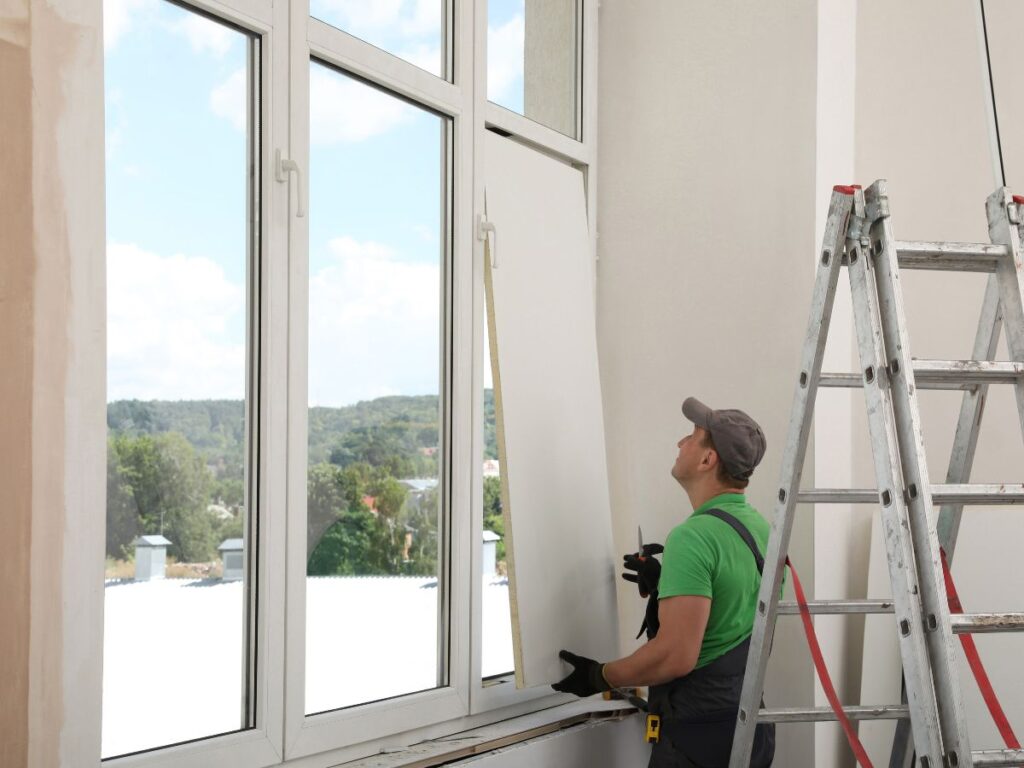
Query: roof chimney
(150, 557)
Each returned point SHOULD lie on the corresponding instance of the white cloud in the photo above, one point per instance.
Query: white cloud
(228, 100)
(373, 327)
(505, 53)
(345, 110)
(425, 20)
(358, 16)
(118, 16)
(424, 56)
(175, 327)
(401, 18)
(205, 35)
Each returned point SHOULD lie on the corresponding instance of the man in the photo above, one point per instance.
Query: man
(705, 601)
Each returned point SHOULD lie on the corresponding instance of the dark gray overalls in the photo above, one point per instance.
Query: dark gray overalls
(698, 711)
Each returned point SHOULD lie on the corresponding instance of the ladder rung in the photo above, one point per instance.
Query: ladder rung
(950, 257)
(825, 714)
(943, 374)
(978, 623)
(989, 758)
(973, 493)
(787, 607)
(962, 374)
(978, 493)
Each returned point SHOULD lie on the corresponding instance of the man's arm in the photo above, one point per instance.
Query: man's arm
(673, 652)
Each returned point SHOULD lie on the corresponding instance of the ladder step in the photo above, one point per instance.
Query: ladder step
(825, 714)
(787, 607)
(969, 493)
(949, 257)
(943, 374)
(987, 758)
(978, 623)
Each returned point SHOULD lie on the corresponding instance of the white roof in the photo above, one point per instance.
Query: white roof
(232, 545)
(154, 540)
(491, 536)
(367, 638)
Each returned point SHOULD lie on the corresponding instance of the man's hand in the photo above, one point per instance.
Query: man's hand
(585, 679)
(648, 569)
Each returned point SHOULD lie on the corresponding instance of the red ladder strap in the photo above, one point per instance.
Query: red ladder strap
(823, 675)
(974, 661)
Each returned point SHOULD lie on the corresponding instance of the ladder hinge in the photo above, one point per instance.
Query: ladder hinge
(877, 209)
(857, 227)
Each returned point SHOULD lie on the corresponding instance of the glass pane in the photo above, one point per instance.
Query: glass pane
(532, 58)
(376, 257)
(409, 29)
(180, 252)
(496, 658)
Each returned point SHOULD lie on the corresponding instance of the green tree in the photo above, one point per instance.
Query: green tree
(494, 520)
(122, 520)
(170, 486)
(350, 547)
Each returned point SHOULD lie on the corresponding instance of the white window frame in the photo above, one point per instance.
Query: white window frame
(261, 745)
(283, 733)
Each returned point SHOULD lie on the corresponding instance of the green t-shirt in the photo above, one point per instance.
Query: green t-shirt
(706, 556)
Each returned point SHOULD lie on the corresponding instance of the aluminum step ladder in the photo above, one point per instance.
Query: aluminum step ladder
(858, 236)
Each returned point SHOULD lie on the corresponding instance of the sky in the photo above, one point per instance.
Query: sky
(176, 203)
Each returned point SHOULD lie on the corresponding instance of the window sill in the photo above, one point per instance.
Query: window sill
(503, 733)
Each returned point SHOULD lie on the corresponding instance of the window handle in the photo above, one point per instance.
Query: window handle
(483, 226)
(285, 167)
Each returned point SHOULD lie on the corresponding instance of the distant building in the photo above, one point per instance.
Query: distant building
(150, 557)
(492, 468)
(232, 553)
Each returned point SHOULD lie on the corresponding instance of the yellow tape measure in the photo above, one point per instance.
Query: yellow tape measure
(653, 732)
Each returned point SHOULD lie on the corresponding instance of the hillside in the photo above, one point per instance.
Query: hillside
(215, 428)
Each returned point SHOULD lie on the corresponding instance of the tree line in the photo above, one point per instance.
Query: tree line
(176, 468)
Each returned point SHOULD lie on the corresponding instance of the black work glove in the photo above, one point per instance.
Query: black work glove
(646, 578)
(585, 679)
(648, 569)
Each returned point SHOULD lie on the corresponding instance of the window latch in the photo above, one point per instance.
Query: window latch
(483, 226)
(284, 167)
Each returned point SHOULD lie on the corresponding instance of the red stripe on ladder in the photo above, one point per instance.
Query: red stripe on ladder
(823, 675)
(974, 661)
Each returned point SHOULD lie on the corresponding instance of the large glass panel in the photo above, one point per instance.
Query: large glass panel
(532, 57)
(413, 30)
(181, 252)
(377, 241)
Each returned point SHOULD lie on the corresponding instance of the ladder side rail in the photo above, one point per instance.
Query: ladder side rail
(794, 452)
(901, 387)
(968, 425)
(893, 511)
(1003, 227)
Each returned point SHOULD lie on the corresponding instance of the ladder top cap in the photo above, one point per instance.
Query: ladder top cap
(1018, 199)
(846, 189)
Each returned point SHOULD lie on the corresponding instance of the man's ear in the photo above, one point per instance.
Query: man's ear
(710, 458)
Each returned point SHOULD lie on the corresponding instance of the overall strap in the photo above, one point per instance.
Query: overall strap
(745, 534)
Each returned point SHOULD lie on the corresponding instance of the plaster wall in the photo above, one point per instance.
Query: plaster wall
(17, 278)
(921, 123)
(707, 228)
(51, 392)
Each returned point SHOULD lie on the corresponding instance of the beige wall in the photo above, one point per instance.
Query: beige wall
(16, 287)
(51, 391)
(707, 196)
(921, 123)
(722, 128)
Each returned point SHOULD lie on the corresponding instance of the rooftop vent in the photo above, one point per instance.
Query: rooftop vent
(150, 557)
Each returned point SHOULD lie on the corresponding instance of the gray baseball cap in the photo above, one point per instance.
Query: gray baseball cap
(738, 438)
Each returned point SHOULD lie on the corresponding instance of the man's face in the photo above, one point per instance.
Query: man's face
(692, 451)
